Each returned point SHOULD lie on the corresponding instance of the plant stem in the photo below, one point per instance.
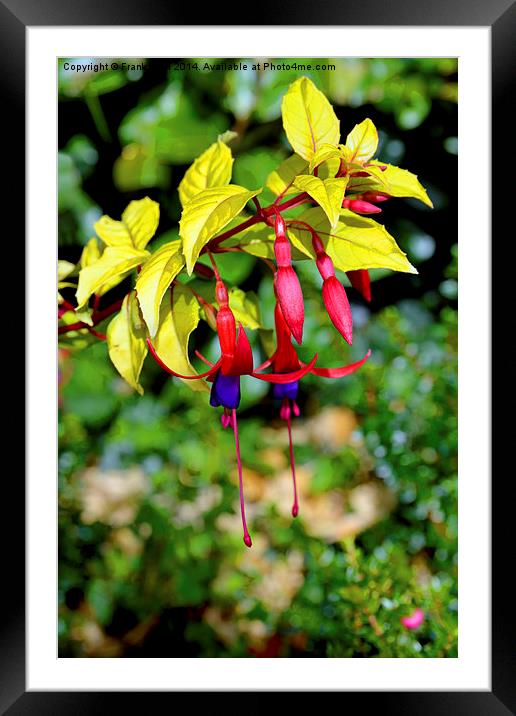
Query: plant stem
(262, 215)
(93, 102)
(97, 318)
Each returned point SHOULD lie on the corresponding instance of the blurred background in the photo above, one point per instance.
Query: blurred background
(151, 559)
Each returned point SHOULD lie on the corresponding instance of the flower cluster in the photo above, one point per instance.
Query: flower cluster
(236, 357)
(338, 187)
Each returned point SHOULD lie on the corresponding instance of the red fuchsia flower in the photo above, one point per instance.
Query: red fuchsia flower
(236, 360)
(361, 281)
(288, 288)
(414, 620)
(285, 361)
(333, 292)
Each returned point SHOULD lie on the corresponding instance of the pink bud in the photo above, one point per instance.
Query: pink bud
(361, 207)
(414, 620)
(290, 297)
(337, 305)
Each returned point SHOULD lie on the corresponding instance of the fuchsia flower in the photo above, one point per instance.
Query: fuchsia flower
(236, 357)
(236, 360)
(285, 361)
(414, 620)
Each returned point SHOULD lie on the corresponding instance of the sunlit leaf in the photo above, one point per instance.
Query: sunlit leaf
(178, 318)
(308, 118)
(113, 266)
(393, 181)
(281, 180)
(64, 269)
(207, 214)
(245, 307)
(126, 339)
(154, 279)
(329, 194)
(212, 168)
(362, 142)
(138, 225)
(90, 253)
(324, 153)
(357, 242)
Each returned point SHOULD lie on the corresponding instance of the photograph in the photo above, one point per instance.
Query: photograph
(257, 349)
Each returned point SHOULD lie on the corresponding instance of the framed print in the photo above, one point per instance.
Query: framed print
(258, 452)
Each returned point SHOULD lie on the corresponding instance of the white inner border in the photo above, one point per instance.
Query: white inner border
(471, 670)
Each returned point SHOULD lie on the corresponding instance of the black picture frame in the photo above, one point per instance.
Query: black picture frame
(500, 16)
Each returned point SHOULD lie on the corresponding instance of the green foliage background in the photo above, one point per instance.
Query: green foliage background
(151, 555)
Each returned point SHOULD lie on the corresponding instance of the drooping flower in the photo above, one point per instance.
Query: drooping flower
(235, 361)
(286, 361)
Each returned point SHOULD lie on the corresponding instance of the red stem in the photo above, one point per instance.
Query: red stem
(97, 318)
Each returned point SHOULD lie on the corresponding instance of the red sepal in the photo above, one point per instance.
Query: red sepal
(361, 281)
(283, 378)
(242, 363)
(341, 371)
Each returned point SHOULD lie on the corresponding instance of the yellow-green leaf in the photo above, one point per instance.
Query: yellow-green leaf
(245, 307)
(212, 168)
(281, 180)
(90, 253)
(178, 317)
(154, 279)
(324, 154)
(362, 142)
(137, 227)
(64, 269)
(126, 339)
(258, 240)
(207, 214)
(357, 242)
(113, 266)
(401, 183)
(329, 194)
(84, 315)
(308, 118)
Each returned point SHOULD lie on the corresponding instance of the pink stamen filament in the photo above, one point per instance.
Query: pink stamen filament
(295, 506)
(247, 537)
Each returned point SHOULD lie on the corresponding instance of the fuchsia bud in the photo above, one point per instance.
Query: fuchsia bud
(288, 288)
(333, 292)
(374, 196)
(361, 281)
(414, 620)
(361, 207)
(337, 305)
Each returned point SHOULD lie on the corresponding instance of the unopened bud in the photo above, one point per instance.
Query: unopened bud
(337, 305)
(290, 298)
